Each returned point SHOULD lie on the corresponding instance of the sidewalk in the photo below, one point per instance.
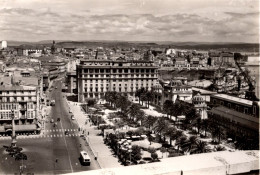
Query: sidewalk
(96, 143)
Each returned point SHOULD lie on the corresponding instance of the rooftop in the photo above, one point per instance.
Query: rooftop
(233, 99)
(203, 91)
(216, 163)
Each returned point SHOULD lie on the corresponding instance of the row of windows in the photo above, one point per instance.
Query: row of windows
(9, 99)
(119, 70)
(237, 108)
(181, 89)
(91, 85)
(10, 106)
(116, 76)
(6, 115)
(114, 80)
(132, 89)
(15, 92)
(9, 115)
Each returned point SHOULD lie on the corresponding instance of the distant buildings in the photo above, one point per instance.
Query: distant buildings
(28, 50)
(221, 58)
(95, 77)
(3, 44)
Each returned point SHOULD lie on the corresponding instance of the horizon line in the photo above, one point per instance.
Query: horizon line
(65, 40)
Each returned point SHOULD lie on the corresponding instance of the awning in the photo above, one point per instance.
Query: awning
(25, 127)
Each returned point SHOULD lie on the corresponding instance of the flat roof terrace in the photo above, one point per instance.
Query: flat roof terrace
(216, 163)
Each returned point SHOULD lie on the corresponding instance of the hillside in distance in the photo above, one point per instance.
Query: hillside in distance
(232, 47)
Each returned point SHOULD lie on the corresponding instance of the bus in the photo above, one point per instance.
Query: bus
(84, 158)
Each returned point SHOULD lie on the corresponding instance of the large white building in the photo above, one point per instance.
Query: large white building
(22, 102)
(4, 45)
(96, 77)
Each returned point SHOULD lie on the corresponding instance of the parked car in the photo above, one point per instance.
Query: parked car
(52, 120)
(72, 117)
(66, 133)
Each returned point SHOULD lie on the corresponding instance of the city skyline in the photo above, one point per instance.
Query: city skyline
(138, 20)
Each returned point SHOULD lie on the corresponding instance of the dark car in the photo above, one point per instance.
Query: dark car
(58, 119)
(66, 133)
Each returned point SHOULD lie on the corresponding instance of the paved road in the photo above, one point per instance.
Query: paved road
(43, 151)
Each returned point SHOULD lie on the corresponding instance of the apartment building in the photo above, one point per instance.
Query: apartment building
(241, 116)
(96, 77)
(22, 103)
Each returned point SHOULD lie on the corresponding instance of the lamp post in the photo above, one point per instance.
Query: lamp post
(13, 144)
(130, 151)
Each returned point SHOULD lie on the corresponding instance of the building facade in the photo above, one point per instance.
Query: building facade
(238, 115)
(22, 103)
(176, 88)
(96, 77)
(71, 82)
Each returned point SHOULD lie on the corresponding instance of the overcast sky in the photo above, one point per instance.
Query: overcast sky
(130, 20)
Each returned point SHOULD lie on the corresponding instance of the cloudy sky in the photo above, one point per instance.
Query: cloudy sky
(130, 20)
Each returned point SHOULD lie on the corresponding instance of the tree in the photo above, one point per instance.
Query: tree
(218, 132)
(154, 156)
(220, 148)
(191, 117)
(136, 152)
(140, 116)
(189, 144)
(114, 95)
(205, 125)
(149, 97)
(161, 126)
(149, 121)
(91, 102)
(150, 138)
(167, 106)
(181, 140)
(139, 93)
(133, 110)
(197, 122)
(122, 102)
(171, 133)
(201, 147)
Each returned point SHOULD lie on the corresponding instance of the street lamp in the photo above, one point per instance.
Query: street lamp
(13, 144)
(130, 151)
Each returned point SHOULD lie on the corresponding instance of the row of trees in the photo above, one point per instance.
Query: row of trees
(144, 95)
(162, 126)
(165, 127)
